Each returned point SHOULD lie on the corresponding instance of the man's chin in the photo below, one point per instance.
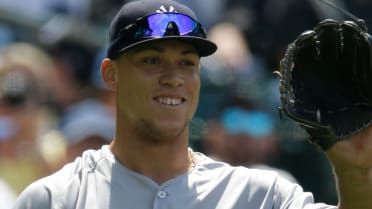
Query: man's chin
(162, 133)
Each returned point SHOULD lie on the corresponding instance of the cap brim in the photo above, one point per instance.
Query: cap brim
(203, 46)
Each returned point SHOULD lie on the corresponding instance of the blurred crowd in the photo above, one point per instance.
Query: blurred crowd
(53, 104)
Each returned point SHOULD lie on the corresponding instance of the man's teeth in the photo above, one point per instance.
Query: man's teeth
(169, 101)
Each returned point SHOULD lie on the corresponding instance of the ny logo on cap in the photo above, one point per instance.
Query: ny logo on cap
(162, 9)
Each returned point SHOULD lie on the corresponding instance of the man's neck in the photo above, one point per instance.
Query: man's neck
(158, 162)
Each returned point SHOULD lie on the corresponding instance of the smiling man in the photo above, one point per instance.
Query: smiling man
(155, 104)
(162, 89)
(153, 66)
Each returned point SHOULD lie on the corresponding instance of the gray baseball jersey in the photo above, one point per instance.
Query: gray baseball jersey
(96, 180)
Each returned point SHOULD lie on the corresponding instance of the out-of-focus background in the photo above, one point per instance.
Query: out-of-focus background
(53, 104)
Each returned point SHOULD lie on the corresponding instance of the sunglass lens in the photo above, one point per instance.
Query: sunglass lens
(159, 24)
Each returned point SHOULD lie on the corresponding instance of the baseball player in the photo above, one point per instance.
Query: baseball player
(152, 65)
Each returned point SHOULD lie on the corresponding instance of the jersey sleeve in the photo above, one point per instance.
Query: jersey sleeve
(291, 196)
(35, 196)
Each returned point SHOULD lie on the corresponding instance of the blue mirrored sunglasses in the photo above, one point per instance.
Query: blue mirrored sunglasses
(165, 24)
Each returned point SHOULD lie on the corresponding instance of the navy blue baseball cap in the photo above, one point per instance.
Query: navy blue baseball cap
(142, 21)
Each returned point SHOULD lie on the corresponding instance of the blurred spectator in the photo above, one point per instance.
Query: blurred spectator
(7, 196)
(232, 72)
(84, 105)
(74, 63)
(246, 137)
(78, 75)
(26, 78)
(87, 125)
(208, 11)
(235, 71)
(272, 24)
(245, 72)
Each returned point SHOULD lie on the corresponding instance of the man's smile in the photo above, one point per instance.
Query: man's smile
(173, 101)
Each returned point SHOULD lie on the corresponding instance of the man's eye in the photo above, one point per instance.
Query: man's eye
(188, 63)
(151, 60)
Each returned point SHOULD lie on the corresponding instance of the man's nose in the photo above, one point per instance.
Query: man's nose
(172, 78)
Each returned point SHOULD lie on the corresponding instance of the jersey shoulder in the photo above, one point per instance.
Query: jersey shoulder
(62, 187)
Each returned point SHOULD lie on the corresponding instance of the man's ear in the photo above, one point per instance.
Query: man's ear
(108, 74)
